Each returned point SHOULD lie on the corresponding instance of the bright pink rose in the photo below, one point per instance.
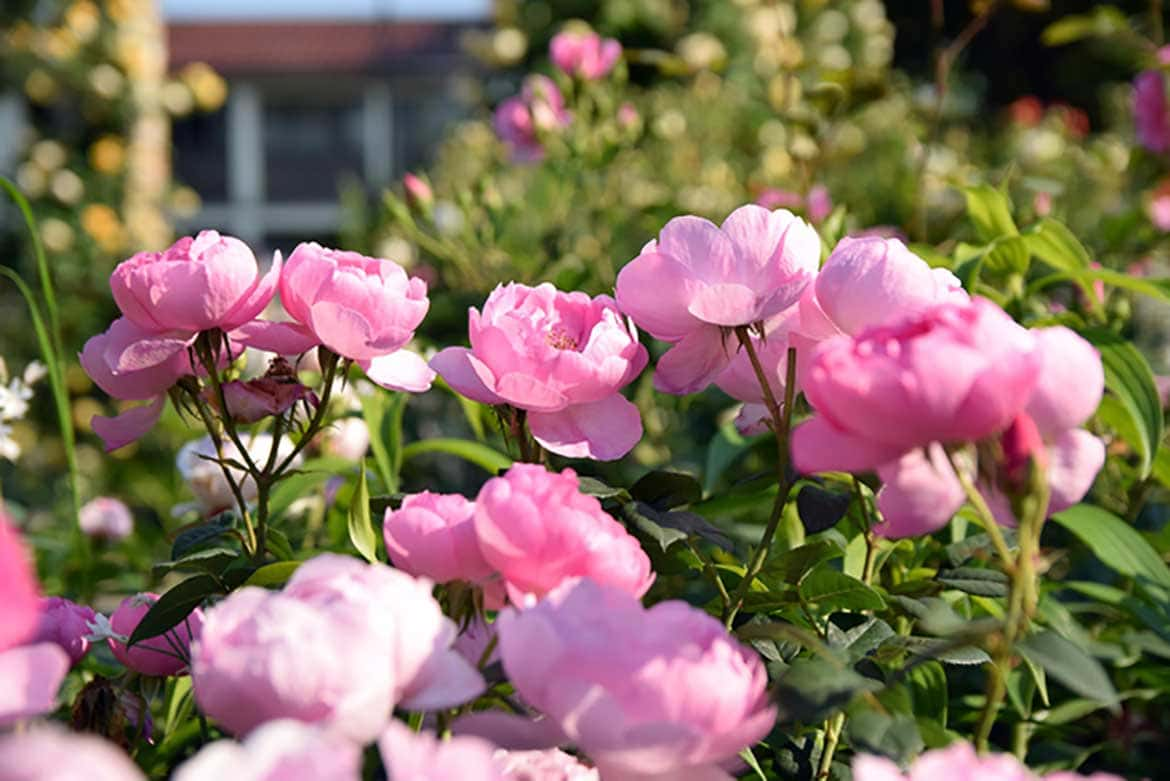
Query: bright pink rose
(646, 694)
(66, 624)
(50, 753)
(365, 309)
(1149, 111)
(19, 591)
(520, 121)
(699, 279)
(563, 357)
(106, 518)
(538, 530)
(264, 655)
(584, 54)
(420, 756)
(871, 281)
(738, 380)
(167, 654)
(407, 628)
(959, 762)
(433, 535)
(283, 750)
(200, 283)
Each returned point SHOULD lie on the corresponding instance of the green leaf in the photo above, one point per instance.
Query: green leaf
(928, 690)
(810, 690)
(491, 461)
(820, 509)
(725, 448)
(271, 575)
(990, 212)
(789, 566)
(383, 414)
(591, 486)
(194, 537)
(1103, 21)
(296, 484)
(1056, 245)
(972, 580)
(891, 735)
(1117, 544)
(1128, 376)
(174, 606)
(831, 590)
(1007, 255)
(1068, 663)
(668, 527)
(361, 529)
(210, 560)
(664, 490)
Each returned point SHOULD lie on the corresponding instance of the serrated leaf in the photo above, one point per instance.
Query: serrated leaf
(831, 590)
(810, 690)
(990, 212)
(928, 690)
(972, 580)
(210, 560)
(591, 486)
(790, 566)
(820, 509)
(1117, 544)
(666, 490)
(174, 606)
(893, 735)
(1129, 378)
(861, 639)
(361, 530)
(271, 575)
(1072, 666)
(668, 527)
(194, 537)
(961, 551)
(945, 651)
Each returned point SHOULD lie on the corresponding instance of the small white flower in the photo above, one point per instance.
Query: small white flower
(100, 630)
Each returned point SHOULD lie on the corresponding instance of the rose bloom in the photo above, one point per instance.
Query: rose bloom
(519, 121)
(549, 765)
(204, 476)
(421, 757)
(66, 624)
(167, 654)
(433, 535)
(348, 438)
(50, 753)
(699, 279)
(18, 587)
(584, 54)
(283, 750)
(563, 357)
(738, 380)
(646, 694)
(1149, 111)
(960, 762)
(538, 530)
(106, 518)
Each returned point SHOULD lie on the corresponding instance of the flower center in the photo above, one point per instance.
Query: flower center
(560, 339)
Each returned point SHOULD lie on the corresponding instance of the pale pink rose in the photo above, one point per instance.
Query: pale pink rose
(870, 281)
(433, 535)
(348, 438)
(267, 655)
(538, 530)
(775, 198)
(164, 655)
(738, 380)
(19, 590)
(960, 762)
(50, 753)
(283, 750)
(197, 465)
(700, 697)
(519, 121)
(1150, 118)
(30, 676)
(549, 765)
(699, 279)
(412, 756)
(408, 631)
(106, 518)
(209, 281)
(820, 203)
(584, 54)
(563, 357)
(66, 624)
(365, 309)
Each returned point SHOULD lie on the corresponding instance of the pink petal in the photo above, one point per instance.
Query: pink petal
(254, 302)
(654, 290)
(527, 392)
(1071, 381)
(342, 330)
(279, 338)
(128, 427)
(29, 679)
(726, 304)
(452, 680)
(867, 767)
(602, 430)
(510, 731)
(401, 370)
(146, 351)
(1074, 459)
(920, 494)
(693, 363)
(818, 446)
(459, 367)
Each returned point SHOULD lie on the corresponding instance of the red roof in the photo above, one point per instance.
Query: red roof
(265, 47)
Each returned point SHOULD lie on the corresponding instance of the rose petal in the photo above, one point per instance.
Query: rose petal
(128, 427)
(602, 430)
(401, 370)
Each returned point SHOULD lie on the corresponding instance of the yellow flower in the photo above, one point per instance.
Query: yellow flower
(107, 155)
(83, 19)
(207, 86)
(103, 226)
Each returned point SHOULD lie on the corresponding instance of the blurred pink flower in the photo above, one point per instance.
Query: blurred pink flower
(50, 753)
(418, 193)
(433, 535)
(282, 750)
(563, 357)
(820, 203)
(19, 590)
(164, 655)
(538, 530)
(422, 757)
(106, 518)
(627, 116)
(348, 438)
(361, 308)
(959, 762)
(1158, 207)
(773, 198)
(584, 54)
(700, 697)
(66, 624)
(1150, 112)
(699, 279)
(549, 765)
(519, 121)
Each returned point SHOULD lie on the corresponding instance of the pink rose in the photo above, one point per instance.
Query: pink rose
(200, 283)
(959, 762)
(738, 380)
(421, 757)
(433, 535)
(265, 655)
(50, 753)
(549, 765)
(66, 624)
(283, 750)
(167, 654)
(538, 530)
(700, 697)
(254, 400)
(698, 279)
(348, 438)
(584, 54)
(563, 357)
(365, 309)
(19, 590)
(519, 121)
(106, 518)
(407, 629)
(1149, 111)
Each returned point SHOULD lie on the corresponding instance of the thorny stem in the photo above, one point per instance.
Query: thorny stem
(209, 358)
(217, 442)
(986, 518)
(781, 426)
